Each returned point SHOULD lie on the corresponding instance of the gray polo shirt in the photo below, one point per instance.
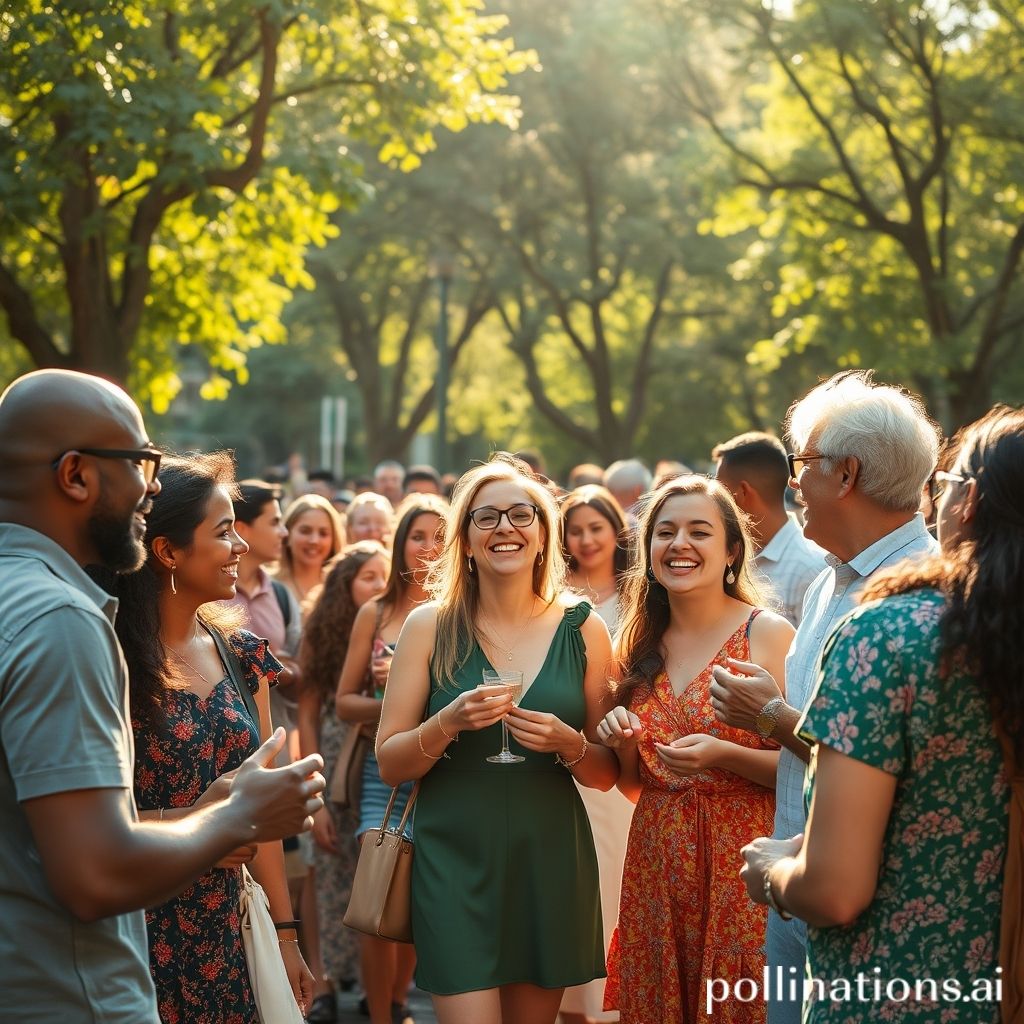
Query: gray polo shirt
(63, 726)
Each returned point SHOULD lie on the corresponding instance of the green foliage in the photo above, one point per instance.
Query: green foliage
(164, 168)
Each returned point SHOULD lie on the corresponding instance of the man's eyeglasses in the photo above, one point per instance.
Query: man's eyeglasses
(940, 480)
(797, 462)
(147, 459)
(488, 517)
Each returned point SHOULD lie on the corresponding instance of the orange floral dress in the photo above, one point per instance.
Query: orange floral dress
(684, 913)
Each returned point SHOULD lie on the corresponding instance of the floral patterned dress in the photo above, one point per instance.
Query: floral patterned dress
(195, 943)
(883, 700)
(684, 915)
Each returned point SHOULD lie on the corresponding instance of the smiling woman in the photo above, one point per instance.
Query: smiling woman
(505, 902)
(199, 701)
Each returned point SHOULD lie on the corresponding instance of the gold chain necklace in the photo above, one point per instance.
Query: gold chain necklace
(509, 651)
(188, 664)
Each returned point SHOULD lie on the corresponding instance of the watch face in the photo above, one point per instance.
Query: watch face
(765, 723)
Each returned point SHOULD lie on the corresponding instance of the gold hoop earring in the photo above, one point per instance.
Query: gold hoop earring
(540, 558)
(174, 589)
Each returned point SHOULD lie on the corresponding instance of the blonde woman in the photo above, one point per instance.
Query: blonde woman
(506, 909)
(315, 535)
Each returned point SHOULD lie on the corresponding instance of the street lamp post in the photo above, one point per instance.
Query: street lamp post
(443, 268)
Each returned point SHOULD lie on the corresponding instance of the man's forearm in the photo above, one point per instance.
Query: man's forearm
(784, 733)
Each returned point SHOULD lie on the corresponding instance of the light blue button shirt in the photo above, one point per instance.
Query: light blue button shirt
(828, 599)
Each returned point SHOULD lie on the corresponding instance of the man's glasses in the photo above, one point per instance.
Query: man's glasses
(488, 517)
(940, 481)
(797, 462)
(147, 459)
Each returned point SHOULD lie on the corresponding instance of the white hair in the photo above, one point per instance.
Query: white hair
(884, 427)
(626, 474)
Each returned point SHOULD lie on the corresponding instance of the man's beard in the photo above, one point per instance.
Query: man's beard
(113, 537)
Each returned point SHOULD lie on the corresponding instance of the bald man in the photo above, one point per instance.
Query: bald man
(77, 472)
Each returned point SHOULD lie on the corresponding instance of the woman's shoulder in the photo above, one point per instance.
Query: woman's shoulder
(423, 616)
(770, 625)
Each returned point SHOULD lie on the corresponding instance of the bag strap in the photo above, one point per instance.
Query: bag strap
(236, 673)
(283, 602)
(405, 814)
(1011, 931)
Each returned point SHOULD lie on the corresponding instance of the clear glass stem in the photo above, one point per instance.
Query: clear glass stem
(504, 738)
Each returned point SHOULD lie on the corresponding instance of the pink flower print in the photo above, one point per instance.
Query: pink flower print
(901, 700)
(989, 867)
(859, 660)
(979, 956)
(842, 732)
(970, 837)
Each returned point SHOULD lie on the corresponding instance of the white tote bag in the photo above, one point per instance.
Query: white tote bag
(274, 998)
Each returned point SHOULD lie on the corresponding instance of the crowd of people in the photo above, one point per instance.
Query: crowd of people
(736, 745)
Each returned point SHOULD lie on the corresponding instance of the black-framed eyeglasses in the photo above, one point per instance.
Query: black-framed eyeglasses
(519, 515)
(940, 480)
(796, 463)
(147, 459)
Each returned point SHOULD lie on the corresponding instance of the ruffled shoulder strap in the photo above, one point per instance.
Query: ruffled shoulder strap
(577, 614)
(256, 659)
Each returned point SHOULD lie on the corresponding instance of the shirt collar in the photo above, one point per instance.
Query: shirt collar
(23, 542)
(262, 584)
(865, 562)
(776, 547)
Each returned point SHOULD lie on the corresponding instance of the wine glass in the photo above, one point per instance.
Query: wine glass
(513, 683)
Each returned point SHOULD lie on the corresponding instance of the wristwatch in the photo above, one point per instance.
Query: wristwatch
(768, 717)
(769, 895)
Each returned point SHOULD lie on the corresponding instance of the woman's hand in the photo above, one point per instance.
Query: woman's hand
(219, 789)
(476, 709)
(759, 856)
(543, 732)
(620, 728)
(298, 974)
(324, 834)
(236, 858)
(690, 755)
(380, 669)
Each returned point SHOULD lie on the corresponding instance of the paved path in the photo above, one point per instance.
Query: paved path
(419, 1004)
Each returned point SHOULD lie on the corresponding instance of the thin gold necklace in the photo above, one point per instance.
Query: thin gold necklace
(188, 664)
(509, 651)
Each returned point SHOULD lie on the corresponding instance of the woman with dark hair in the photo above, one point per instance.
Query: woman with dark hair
(505, 909)
(595, 544)
(917, 720)
(356, 576)
(702, 789)
(387, 966)
(195, 680)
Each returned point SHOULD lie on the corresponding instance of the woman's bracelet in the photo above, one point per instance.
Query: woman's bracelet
(440, 725)
(583, 753)
(284, 925)
(287, 940)
(161, 816)
(423, 749)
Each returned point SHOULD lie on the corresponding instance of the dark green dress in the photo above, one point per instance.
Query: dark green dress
(505, 884)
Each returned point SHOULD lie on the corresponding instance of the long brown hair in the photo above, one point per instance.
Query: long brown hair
(982, 578)
(328, 628)
(400, 575)
(456, 589)
(646, 613)
(603, 502)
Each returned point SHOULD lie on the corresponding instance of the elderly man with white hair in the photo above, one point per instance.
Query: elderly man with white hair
(628, 480)
(863, 451)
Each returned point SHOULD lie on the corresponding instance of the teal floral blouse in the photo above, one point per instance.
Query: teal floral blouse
(927, 947)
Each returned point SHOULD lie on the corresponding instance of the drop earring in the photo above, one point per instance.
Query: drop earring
(540, 558)
(174, 589)
(469, 564)
(730, 577)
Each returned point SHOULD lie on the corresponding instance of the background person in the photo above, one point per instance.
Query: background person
(72, 930)
(370, 517)
(505, 892)
(388, 477)
(901, 864)
(754, 470)
(594, 542)
(387, 966)
(356, 576)
(700, 788)
(628, 480)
